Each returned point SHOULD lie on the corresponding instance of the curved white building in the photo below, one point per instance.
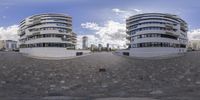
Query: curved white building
(47, 35)
(156, 34)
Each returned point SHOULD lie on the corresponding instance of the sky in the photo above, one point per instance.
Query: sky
(103, 21)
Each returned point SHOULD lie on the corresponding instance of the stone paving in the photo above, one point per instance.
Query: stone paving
(23, 78)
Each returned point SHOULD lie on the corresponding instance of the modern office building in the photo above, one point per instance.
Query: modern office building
(47, 35)
(8, 45)
(85, 42)
(108, 46)
(100, 46)
(156, 34)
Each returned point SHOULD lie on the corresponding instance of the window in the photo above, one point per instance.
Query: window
(158, 44)
(46, 45)
(154, 35)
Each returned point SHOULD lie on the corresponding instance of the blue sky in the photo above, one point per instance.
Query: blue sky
(99, 12)
(12, 11)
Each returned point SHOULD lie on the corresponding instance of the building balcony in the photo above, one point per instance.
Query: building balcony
(60, 21)
(172, 33)
(169, 26)
(154, 39)
(36, 33)
(74, 41)
(128, 43)
(147, 31)
(128, 37)
(37, 22)
(47, 40)
(184, 28)
(21, 33)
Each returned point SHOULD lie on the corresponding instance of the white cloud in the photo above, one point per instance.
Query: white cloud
(138, 10)
(112, 32)
(9, 33)
(90, 25)
(116, 10)
(126, 13)
(194, 34)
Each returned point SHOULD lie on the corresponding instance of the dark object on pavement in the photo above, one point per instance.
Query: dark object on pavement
(102, 70)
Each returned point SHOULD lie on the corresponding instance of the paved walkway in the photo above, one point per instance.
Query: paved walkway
(165, 79)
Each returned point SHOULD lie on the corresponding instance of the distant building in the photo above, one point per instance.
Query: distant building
(93, 47)
(100, 46)
(108, 47)
(74, 39)
(194, 44)
(1, 44)
(85, 42)
(8, 45)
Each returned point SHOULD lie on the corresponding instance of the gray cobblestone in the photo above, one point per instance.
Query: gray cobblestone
(80, 77)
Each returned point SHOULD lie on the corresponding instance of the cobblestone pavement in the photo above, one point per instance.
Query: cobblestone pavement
(167, 79)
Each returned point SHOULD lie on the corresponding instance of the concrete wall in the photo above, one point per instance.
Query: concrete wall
(120, 52)
(51, 52)
(155, 51)
(152, 52)
(1, 44)
(155, 39)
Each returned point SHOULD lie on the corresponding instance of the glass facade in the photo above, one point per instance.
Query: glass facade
(35, 45)
(158, 44)
(151, 28)
(32, 37)
(153, 35)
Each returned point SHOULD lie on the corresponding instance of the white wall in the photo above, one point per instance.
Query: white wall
(154, 39)
(1, 44)
(120, 52)
(152, 52)
(47, 40)
(51, 52)
(155, 51)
